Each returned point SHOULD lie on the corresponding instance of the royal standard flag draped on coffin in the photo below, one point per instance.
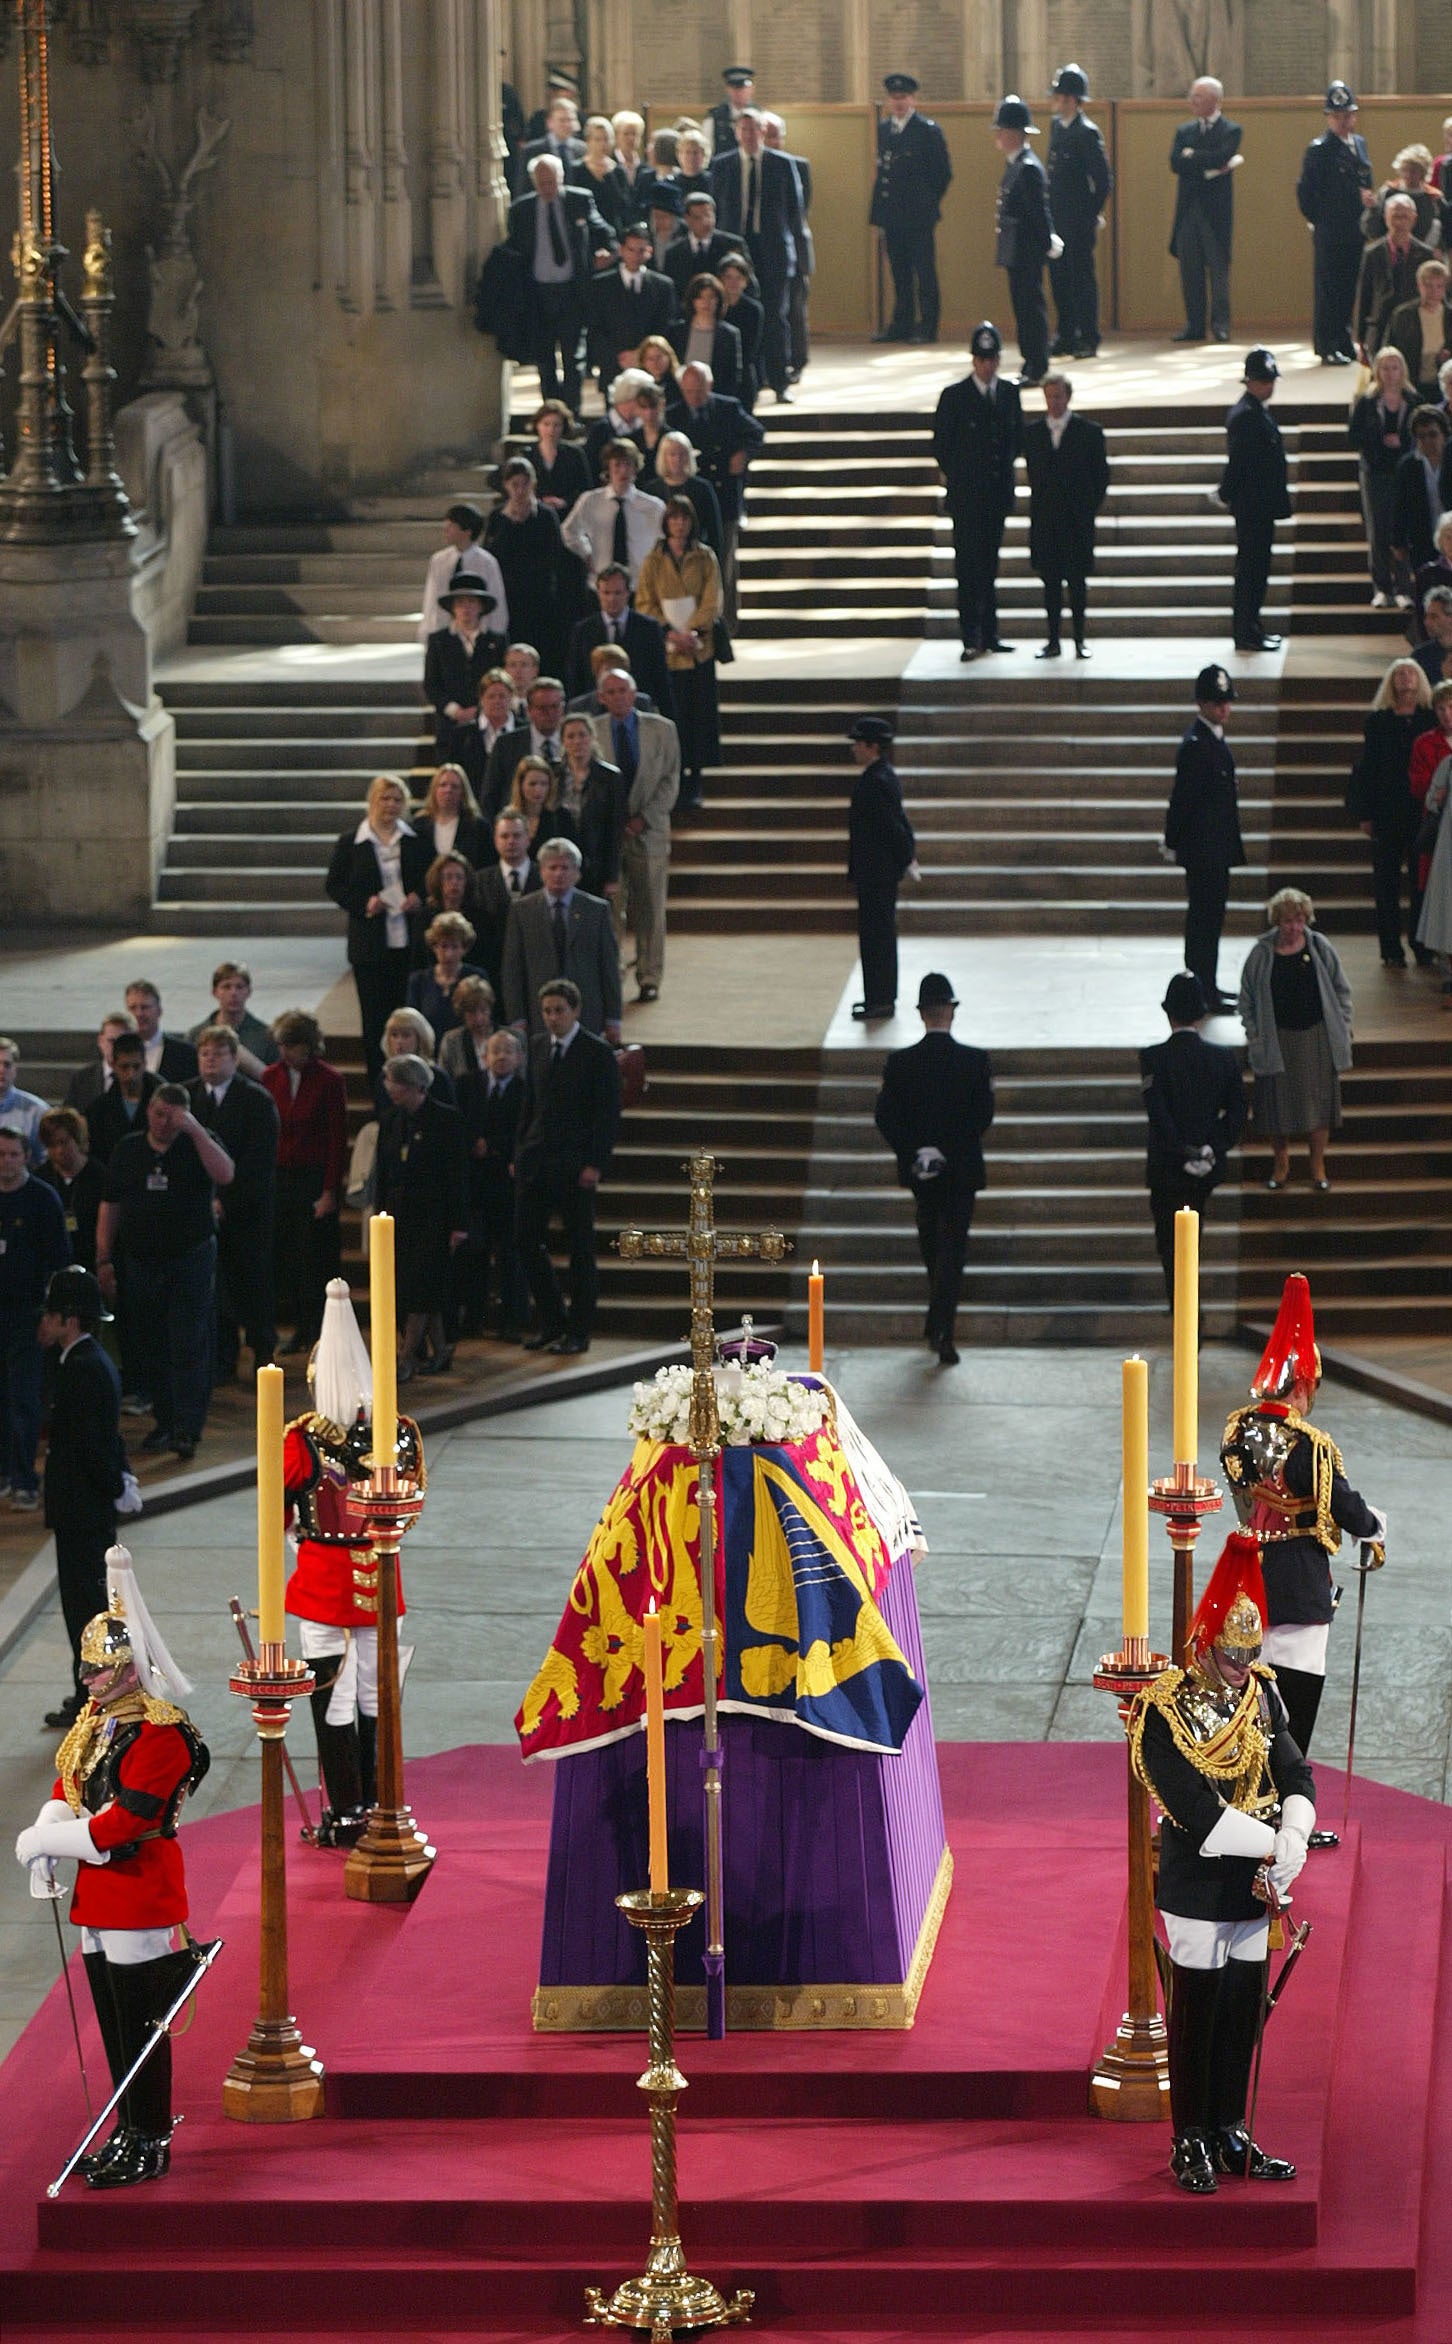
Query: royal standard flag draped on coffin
(799, 1569)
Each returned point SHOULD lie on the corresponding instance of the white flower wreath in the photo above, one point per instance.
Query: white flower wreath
(760, 1403)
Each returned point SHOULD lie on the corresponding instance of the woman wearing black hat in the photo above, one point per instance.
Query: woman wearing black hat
(458, 657)
(881, 853)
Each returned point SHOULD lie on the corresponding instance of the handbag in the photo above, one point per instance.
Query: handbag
(630, 1060)
(361, 1188)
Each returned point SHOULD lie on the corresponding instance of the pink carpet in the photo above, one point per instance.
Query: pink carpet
(470, 2177)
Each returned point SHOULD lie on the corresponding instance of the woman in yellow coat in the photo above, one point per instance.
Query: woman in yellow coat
(680, 586)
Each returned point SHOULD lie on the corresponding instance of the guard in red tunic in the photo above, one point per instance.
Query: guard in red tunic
(333, 1592)
(123, 1772)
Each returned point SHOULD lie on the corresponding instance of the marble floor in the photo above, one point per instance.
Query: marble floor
(1014, 1463)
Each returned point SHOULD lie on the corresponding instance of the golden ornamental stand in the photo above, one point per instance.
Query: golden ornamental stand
(1131, 2082)
(665, 2297)
(393, 1859)
(275, 2078)
(1184, 1497)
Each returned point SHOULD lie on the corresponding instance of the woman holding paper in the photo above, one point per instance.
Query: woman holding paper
(680, 586)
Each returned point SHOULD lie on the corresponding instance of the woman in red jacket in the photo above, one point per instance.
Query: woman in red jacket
(312, 1107)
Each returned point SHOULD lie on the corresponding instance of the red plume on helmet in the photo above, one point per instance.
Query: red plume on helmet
(1236, 1574)
(1291, 1359)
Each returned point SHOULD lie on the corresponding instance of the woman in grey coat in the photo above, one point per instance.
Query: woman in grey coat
(1295, 1005)
(1434, 926)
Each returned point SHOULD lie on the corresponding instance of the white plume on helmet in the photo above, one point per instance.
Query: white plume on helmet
(340, 1370)
(156, 1672)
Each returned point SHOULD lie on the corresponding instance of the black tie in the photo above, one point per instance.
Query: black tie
(514, 883)
(620, 548)
(561, 945)
(556, 1054)
(625, 756)
(557, 234)
(751, 219)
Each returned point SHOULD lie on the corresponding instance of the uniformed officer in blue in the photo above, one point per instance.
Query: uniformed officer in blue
(1255, 487)
(913, 174)
(1335, 192)
(1025, 233)
(1079, 183)
(1202, 829)
(977, 437)
(882, 852)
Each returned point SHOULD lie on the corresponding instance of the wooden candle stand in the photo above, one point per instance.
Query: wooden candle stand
(393, 1859)
(1131, 2083)
(275, 2078)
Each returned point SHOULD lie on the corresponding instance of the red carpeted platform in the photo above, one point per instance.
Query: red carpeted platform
(470, 2176)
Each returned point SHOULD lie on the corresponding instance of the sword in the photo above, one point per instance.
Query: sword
(308, 1830)
(205, 1956)
(1364, 1569)
(1269, 1997)
(65, 1971)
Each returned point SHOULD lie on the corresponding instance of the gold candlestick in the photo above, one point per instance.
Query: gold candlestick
(666, 2296)
(393, 1859)
(275, 2078)
(1184, 1497)
(1131, 2083)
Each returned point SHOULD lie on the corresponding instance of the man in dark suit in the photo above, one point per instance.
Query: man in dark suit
(799, 291)
(121, 1107)
(935, 1104)
(567, 1136)
(726, 114)
(914, 172)
(1068, 478)
(1388, 275)
(725, 436)
(243, 1118)
(881, 853)
(170, 1057)
(89, 1081)
(1204, 156)
(627, 303)
(491, 1100)
(759, 203)
(1422, 481)
(562, 932)
(977, 434)
(1025, 233)
(700, 251)
(85, 1461)
(641, 639)
(540, 737)
(1335, 192)
(1079, 183)
(1255, 487)
(560, 238)
(560, 83)
(514, 872)
(554, 130)
(1195, 1100)
(1202, 829)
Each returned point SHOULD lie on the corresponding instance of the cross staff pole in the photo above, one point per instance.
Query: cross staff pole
(702, 1245)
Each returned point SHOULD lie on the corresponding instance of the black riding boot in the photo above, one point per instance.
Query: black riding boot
(98, 1976)
(368, 1759)
(143, 1990)
(1194, 1995)
(343, 1803)
(1237, 2021)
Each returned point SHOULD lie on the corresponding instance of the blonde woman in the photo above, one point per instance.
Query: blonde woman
(1379, 798)
(1295, 1006)
(377, 876)
(408, 1034)
(1422, 329)
(449, 820)
(1380, 430)
(450, 939)
(614, 198)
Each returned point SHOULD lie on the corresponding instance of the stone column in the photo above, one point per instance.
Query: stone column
(360, 168)
(395, 272)
(1033, 53)
(983, 65)
(448, 207)
(1344, 20)
(856, 73)
(527, 48)
(489, 204)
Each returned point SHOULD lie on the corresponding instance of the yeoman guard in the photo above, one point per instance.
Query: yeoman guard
(1212, 1744)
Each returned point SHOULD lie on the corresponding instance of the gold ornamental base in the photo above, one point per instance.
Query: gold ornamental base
(1131, 2083)
(392, 1860)
(666, 2296)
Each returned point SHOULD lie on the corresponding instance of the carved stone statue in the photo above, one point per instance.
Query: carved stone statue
(175, 358)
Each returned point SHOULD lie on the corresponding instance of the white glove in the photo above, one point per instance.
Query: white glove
(1201, 1164)
(44, 1884)
(1237, 1834)
(130, 1500)
(1056, 248)
(928, 1163)
(60, 1835)
(1298, 1821)
(1167, 853)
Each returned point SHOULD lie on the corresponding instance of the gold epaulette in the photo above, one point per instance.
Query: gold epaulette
(1234, 1759)
(163, 1712)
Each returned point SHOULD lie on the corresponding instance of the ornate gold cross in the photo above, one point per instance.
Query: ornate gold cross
(702, 1244)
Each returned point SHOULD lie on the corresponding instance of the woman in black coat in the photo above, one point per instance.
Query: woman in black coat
(524, 538)
(744, 311)
(561, 473)
(422, 1179)
(704, 336)
(449, 821)
(1379, 797)
(456, 660)
(1380, 430)
(377, 875)
(596, 801)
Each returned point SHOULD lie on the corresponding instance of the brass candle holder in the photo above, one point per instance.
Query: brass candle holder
(666, 2296)
(393, 1859)
(275, 2078)
(1185, 1498)
(1131, 2082)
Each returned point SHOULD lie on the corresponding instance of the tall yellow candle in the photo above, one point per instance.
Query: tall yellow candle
(269, 1505)
(382, 1331)
(816, 1320)
(1136, 1497)
(1187, 1335)
(655, 1783)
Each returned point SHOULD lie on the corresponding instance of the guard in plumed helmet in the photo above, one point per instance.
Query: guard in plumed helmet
(914, 171)
(1335, 192)
(122, 1775)
(977, 438)
(1202, 828)
(333, 1591)
(881, 853)
(1290, 1488)
(1079, 184)
(1025, 236)
(1213, 1745)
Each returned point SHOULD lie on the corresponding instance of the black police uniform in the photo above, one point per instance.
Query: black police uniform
(1202, 832)
(1079, 184)
(939, 1094)
(977, 435)
(1254, 485)
(1025, 231)
(913, 174)
(1194, 1098)
(880, 848)
(1333, 174)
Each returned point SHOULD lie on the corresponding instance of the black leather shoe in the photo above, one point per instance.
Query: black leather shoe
(948, 1354)
(1081, 649)
(1324, 1839)
(106, 2154)
(866, 1011)
(998, 644)
(543, 1340)
(969, 651)
(1050, 651)
(1191, 2165)
(1185, 335)
(1219, 333)
(891, 334)
(60, 1721)
(1234, 2148)
(566, 1346)
(157, 1439)
(142, 2159)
